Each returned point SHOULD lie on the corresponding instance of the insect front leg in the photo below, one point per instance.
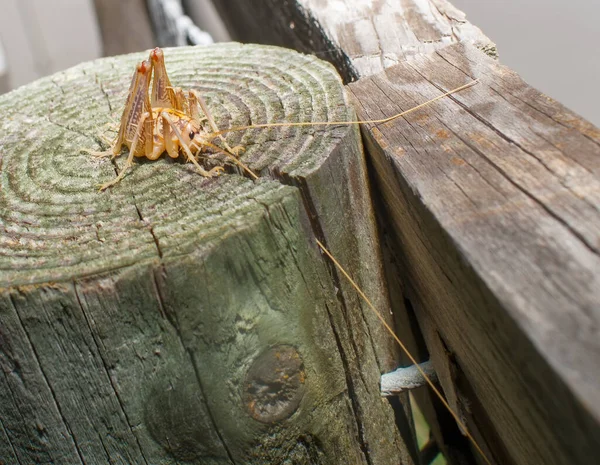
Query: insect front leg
(229, 156)
(170, 130)
(152, 149)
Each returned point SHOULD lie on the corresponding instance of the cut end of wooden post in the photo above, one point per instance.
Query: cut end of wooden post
(56, 224)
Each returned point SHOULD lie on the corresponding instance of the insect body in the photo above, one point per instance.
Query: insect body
(168, 120)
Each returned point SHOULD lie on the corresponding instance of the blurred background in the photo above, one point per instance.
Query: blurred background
(552, 44)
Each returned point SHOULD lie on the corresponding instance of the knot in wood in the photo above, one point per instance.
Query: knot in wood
(274, 384)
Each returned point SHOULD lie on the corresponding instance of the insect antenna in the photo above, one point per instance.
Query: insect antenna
(323, 123)
(341, 123)
(413, 360)
(361, 293)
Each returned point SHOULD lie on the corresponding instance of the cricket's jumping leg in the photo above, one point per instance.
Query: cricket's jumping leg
(196, 99)
(132, 152)
(160, 95)
(163, 94)
(181, 101)
(136, 105)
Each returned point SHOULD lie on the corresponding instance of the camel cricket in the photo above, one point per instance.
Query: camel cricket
(169, 120)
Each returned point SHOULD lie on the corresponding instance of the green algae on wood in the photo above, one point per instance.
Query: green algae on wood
(131, 319)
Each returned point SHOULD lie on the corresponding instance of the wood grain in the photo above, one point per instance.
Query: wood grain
(143, 324)
(505, 215)
(493, 197)
(361, 37)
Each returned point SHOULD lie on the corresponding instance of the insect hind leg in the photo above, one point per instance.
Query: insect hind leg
(132, 151)
(195, 100)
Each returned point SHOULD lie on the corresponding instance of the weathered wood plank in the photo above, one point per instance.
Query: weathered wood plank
(493, 197)
(450, 441)
(147, 324)
(526, 178)
(361, 37)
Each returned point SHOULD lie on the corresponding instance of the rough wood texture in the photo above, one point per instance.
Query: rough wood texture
(361, 37)
(175, 318)
(493, 197)
(496, 232)
(125, 26)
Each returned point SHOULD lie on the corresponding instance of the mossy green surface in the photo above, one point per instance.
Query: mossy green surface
(55, 223)
(130, 318)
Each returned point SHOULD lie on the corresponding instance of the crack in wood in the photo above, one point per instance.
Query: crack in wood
(111, 381)
(46, 380)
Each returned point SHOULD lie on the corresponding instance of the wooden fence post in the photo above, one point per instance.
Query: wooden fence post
(179, 318)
